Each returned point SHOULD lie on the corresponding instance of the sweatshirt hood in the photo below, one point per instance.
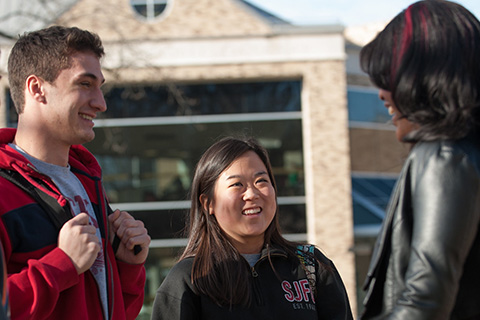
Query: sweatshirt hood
(79, 157)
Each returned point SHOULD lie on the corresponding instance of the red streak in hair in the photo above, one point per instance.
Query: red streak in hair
(407, 33)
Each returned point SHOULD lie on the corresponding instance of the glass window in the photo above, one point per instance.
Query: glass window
(188, 100)
(150, 9)
(365, 106)
(370, 195)
(156, 163)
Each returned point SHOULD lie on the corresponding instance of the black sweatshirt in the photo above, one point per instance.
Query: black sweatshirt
(285, 295)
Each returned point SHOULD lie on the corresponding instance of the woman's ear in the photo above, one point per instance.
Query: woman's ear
(206, 205)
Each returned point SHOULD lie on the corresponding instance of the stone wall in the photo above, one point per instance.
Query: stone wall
(327, 166)
(377, 150)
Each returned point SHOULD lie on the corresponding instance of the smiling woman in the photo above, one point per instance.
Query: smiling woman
(244, 202)
(236, 264)
(402, 124)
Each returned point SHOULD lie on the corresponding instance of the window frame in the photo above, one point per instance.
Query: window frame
(150, 8)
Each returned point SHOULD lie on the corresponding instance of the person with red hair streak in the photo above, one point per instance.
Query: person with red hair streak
(427, 257)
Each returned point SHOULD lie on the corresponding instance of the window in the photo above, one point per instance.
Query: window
(370, 194)
(364, 105)
(156, 162)
(162, 100)
(150, 9)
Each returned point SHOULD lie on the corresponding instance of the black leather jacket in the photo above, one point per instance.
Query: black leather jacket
(426, 262)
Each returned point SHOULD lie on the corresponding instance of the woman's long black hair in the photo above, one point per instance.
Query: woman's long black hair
(219, 271)
(428, 57)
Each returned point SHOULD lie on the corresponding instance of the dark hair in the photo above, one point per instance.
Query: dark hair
(45, 53)
(428, 58)
(219, 271)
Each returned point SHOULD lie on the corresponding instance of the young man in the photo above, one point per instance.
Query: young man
(68, 270)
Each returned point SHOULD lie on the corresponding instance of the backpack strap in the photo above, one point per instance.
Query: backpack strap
(306, 255)
(58, 214)
(116, 239)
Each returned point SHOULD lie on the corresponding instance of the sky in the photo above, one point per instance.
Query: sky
(348, 13)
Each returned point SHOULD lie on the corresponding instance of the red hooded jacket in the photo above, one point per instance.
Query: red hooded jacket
(42, 281)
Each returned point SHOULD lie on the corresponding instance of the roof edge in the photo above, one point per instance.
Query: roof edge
(264, 15)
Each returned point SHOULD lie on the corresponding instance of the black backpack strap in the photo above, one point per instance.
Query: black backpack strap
(58, 214)
(116, 239)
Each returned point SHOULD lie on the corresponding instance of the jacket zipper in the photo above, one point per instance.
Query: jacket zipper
(108, 264)
(256, 288)
(256, 285)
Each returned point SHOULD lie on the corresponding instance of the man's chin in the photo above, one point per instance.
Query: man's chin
(85, 138)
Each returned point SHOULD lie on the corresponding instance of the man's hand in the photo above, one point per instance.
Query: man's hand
(131, 232)
(78, 240)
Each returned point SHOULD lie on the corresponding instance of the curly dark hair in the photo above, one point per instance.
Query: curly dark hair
(428, 58)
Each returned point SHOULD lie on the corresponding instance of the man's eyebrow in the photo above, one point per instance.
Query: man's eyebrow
(91, 76)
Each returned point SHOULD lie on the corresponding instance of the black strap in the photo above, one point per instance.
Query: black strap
(58, 214)
(116, 239)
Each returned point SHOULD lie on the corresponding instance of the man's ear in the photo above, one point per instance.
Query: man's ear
(205, 204)
(34, 86)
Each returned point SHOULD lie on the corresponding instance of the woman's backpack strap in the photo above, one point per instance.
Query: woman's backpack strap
(306, 255)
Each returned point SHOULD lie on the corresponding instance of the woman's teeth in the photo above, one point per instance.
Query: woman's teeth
(251, 211)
